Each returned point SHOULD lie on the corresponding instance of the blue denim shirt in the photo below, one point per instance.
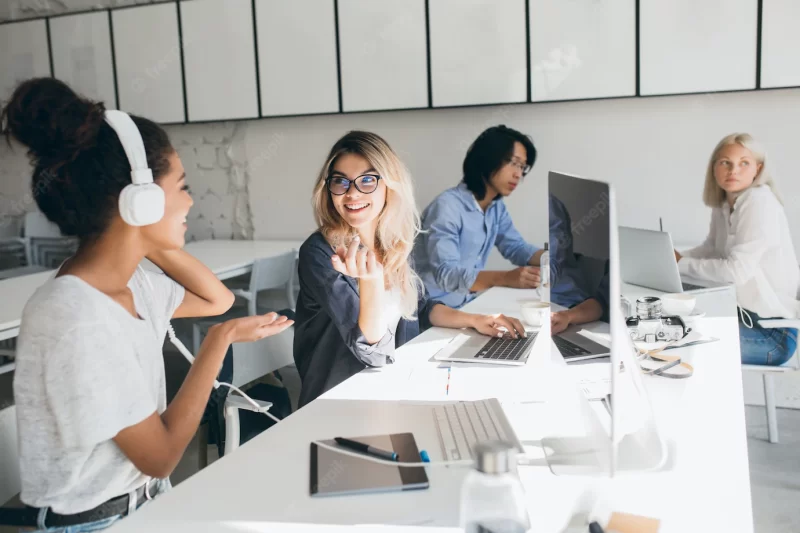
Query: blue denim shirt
(456, 241)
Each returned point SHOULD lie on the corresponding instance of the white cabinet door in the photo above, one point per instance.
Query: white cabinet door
(149, 78)
(219, 54)
(478, 52)
(582, 49)
(82, 55)
(383, 54)
(689, 46)
(23, 54)
(297, 57)
(780, 43)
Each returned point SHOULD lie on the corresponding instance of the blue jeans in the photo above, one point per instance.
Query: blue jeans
(158, 487)
(765, 346)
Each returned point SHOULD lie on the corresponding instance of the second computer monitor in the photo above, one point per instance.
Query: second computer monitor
(579, 240)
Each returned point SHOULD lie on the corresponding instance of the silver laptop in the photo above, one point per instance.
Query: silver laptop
(576, 347)
(647, 259)
(472, 347)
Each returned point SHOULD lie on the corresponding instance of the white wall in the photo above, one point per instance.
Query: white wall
(653, 150)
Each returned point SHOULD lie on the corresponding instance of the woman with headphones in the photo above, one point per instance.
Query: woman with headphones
(97, 438)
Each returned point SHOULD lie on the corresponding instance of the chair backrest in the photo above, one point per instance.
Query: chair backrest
(272, 272)
(50, 252)
(10, 225)
(37, 225)
(13, 253)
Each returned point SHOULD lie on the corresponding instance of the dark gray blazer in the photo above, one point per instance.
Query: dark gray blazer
(329, 347)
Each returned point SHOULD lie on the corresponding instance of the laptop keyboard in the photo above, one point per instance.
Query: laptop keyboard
(691, 287)
(569, 349)
(506, 348)
(462, 425)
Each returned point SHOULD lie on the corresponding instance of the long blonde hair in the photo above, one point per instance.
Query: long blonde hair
(398, 222)
(713, 194)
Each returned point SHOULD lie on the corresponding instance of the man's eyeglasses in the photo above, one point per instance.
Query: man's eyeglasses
(524, 167)
(365, 184)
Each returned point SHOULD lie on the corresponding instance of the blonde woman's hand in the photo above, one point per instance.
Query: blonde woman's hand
(490, 325)
(251, 328)
(357, 262)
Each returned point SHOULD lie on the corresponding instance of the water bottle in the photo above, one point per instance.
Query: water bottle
(492, 499)
(544, 265)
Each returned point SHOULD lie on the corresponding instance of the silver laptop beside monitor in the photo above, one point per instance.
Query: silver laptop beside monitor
(472, 347)
(647, 259)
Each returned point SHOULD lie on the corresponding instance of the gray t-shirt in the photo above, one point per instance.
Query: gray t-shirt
(86, 369)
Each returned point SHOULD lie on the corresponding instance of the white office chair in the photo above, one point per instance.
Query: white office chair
(13, 253)
(50, 252)
(769, 372)
(37, 225)
(268, 273)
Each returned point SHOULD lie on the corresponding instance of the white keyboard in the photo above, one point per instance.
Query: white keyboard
(462, 425)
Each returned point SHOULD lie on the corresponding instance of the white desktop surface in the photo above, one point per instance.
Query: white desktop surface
(226, 259)
(265, 484)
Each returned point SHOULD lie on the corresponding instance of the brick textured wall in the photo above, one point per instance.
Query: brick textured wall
(216, 168)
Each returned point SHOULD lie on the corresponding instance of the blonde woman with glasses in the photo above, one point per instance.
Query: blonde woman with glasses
(359, 295)
(750, 246)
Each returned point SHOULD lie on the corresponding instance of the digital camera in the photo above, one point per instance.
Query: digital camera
(649, 326)
(665, 328)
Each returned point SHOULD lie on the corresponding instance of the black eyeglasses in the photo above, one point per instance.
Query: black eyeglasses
(365, 184)
(525, 168)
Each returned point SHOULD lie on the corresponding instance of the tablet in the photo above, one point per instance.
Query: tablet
(334, 473)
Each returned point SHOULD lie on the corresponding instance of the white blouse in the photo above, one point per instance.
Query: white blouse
(392, 310)
(751, 247)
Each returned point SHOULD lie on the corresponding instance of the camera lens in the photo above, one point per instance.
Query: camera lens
(648, 307)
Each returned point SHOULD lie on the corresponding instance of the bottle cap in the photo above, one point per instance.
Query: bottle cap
(494, 457)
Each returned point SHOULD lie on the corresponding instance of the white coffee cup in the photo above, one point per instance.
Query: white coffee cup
(536, 314)
(678, 304)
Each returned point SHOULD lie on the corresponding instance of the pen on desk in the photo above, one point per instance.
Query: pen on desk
(447, 389)
(660, 224)
(365, 448)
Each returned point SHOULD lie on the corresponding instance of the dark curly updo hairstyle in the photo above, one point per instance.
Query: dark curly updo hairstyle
(80, 167)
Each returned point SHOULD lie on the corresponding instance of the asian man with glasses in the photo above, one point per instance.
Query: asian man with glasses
(463, 224)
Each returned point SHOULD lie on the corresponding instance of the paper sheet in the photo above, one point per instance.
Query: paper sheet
(593, 379)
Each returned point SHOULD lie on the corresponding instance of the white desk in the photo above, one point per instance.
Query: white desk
(227, 259)
(264, 484)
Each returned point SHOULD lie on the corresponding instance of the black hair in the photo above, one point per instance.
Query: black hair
(489, 152)
(80, 167)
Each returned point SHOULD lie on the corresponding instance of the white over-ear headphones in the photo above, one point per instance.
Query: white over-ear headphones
(142, 202)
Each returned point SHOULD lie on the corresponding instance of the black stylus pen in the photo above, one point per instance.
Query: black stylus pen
(366, 448)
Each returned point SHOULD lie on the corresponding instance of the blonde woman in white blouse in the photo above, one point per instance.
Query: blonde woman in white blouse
(749, 245)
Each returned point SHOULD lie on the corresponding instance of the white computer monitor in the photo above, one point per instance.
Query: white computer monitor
(633, 443)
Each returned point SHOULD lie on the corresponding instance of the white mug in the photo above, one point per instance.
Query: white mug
(536, 314)
(681, 304)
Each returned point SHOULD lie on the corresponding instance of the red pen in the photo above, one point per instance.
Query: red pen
(447, 389)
